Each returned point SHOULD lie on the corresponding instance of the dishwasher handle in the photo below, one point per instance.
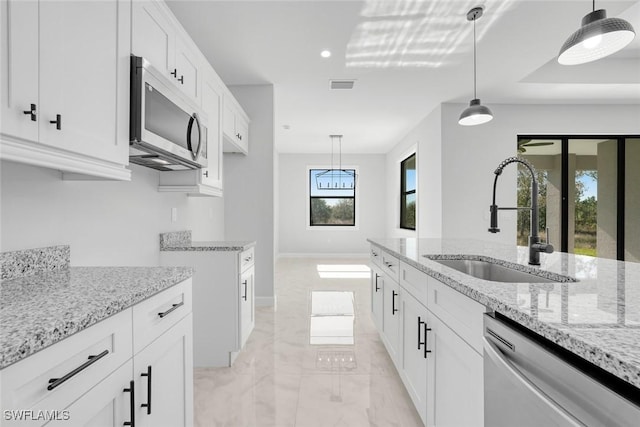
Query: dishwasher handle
(503, 363)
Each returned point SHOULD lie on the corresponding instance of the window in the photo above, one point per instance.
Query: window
(588, 195)
(332, 197)
(408, 193)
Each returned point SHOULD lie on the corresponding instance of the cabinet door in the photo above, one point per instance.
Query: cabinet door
(457, 373)
(153, 36)
(229, 119)
(82, 47)
(163, 375)
(377, 299)
(247, 309)
(19, 77)
(105, 405)
(391, 319)
(187, 69)
(212, 106)
(242, 133)
(415, 325)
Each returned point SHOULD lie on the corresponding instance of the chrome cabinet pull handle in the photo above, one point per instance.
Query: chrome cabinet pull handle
(244, 297)
(377, 277)
(55, 382)
(32, 112)
(173, 307)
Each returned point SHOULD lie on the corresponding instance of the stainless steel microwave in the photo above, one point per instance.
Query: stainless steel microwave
(165, 129)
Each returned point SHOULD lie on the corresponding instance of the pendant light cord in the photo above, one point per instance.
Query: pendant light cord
(474, 58)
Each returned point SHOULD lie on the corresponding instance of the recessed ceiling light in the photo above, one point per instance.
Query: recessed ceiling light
(325, 53)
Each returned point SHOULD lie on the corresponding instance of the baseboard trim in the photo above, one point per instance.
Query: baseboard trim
(324, 255)
(265, 301)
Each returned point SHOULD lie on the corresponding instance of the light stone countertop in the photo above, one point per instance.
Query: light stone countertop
(596, 318)
(181, 241)
(39, 310)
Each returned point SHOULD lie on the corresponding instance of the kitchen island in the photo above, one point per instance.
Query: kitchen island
(597, 317)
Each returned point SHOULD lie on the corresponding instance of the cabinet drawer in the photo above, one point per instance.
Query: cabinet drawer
(246, 259)
(462, 314)
(25, 384)
(414, 281)
(391, 266)
(375, 254)
(154, 316)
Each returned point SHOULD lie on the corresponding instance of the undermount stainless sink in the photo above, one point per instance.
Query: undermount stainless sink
(487, 270)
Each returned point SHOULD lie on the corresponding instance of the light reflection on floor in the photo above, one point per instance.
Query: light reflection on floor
(343, 271)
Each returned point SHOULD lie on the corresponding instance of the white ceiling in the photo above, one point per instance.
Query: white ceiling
(407, 57)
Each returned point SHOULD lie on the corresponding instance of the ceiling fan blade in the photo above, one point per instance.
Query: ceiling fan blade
(538, 144)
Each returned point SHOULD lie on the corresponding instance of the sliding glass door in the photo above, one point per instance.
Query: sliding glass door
(589, 193)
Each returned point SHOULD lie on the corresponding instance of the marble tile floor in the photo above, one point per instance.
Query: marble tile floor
(280, 379)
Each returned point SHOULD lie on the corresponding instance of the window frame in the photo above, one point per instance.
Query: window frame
(344, 227)
(404, 193)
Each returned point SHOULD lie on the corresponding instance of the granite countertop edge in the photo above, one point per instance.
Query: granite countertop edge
(26, 339)
(209, 247)
(594, 354)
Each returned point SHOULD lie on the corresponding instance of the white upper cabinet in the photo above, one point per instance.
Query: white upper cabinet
(158, 38)
(212, 90)
(235, 126)
(65, 95)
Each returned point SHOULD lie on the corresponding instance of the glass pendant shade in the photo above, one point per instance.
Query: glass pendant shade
(475, 114)
(598, 37)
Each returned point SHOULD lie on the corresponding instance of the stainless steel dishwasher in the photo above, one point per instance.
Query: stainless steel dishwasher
(530, 383)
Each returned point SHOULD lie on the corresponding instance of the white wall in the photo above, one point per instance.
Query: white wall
(456, 163)
(105, 222)
(424, 139)
(249, 186)
(294, 235)
(471, 154)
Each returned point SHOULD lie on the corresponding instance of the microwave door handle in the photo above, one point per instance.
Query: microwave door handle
(194, 118)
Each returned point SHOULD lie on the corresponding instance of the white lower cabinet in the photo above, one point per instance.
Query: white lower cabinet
(391, 317)
(456, 371)
(224, 302)
(429, 330)
(247, 309)
(93, 377)
(162, 371)
(416, 354)
(106, 405)
(377, 292)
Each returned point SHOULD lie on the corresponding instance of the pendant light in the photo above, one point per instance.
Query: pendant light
(336, 178)
(598, 37)
(476, 113)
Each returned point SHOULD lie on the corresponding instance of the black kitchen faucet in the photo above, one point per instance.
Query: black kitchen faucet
(535, 245)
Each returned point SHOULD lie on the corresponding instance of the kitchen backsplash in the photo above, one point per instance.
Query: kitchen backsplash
(34, 261)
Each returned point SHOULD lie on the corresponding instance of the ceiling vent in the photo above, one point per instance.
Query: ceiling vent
(341, 84)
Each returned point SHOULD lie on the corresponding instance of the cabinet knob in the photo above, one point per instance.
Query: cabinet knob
(206, 173)
(181, 80)
(57, 122)
(31, 112)
(174, 73)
